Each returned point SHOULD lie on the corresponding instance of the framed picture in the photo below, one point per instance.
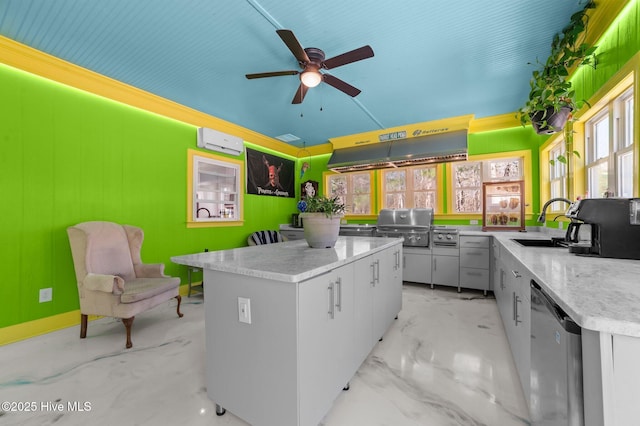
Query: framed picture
(308, 189)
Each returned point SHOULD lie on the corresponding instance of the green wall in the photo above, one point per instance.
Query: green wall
(619, 44)
(513, 139)
(67, 156)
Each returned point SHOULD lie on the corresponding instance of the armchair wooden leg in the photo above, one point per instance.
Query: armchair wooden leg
(179, 298)
(83, 325)
(127, 324)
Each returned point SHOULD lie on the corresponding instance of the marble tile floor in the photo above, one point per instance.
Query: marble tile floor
(445, 361)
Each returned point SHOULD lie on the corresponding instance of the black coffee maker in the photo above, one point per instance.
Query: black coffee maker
(605, 227)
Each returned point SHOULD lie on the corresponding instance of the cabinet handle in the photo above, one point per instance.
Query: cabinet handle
(501, 279)
(404, 262)
(517, 315)
(377, 277)
(373, 274)
(339, 291)
(435, 263)
(331, 298)
(516, 274)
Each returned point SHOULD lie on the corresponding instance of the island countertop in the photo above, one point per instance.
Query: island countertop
(291, 261)
(600, 294)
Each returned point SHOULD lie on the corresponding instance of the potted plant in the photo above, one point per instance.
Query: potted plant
(551, 98)
(321, 220)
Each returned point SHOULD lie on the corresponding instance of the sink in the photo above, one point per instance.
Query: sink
(535, 242)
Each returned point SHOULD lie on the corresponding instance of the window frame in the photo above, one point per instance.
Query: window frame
(484, 161)
(409, 185)
(350, 191)
(195, 159)
(616, 111)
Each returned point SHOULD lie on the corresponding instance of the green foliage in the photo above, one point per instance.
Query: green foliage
(550, 88)
(321, 204)
(563, 159)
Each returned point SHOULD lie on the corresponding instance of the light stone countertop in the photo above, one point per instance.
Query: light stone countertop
(291, 261)
(598, 293)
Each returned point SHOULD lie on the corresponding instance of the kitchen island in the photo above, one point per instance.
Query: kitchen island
(287, 326)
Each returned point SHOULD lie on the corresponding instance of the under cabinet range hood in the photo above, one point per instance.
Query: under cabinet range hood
(437, 148)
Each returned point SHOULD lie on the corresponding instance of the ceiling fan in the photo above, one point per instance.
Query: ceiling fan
(311, 61)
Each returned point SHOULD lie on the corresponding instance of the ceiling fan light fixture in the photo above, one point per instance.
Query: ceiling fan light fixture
(311, 78)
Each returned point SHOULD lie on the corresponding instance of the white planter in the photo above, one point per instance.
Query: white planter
(320, 231)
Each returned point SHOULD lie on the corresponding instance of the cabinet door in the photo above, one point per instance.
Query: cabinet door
(446, 270)
(522, 327)
(474, 278)
(416, 267)
(395, 295)
(502, 295)
(518, 320)
(325, 345)
(363, 308)
(381, 267)
(293, 235)
(474, 258)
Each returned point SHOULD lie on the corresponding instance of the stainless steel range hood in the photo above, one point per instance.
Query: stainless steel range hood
(437, 148)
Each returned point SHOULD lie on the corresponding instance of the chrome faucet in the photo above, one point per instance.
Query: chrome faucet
(543, 215)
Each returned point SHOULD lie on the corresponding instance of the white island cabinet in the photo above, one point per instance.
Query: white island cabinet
(287, 326)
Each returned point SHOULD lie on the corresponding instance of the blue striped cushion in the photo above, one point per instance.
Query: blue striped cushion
(266, 237)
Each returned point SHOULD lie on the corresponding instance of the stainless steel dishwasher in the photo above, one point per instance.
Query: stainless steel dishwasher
(556, 364)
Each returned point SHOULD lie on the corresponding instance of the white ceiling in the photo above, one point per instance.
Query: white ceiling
(433, 58)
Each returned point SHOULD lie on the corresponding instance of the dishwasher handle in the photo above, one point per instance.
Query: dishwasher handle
(552, 307)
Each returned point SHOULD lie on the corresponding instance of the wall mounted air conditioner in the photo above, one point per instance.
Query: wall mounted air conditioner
(217, 141)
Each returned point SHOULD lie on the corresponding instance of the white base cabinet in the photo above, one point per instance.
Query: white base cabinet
(445, 267)
(416, 265)
(305, 342)
(475, 262)
(513, 296)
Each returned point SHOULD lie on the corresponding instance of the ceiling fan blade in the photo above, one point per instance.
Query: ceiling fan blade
(299, 96)
(346, 58)
(271, 74)
(341, 85)
(294, 45)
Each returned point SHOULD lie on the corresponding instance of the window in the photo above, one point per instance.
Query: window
(467, 186)
(215, 191)
(469, 176)
(609, 146)
(409, 187)
(354, 190)
(557, 174)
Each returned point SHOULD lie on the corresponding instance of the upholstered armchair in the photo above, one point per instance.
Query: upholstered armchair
(112, 280)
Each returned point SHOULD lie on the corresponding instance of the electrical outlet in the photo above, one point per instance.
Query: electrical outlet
(473, 222)
(244, 310)
(46, 295)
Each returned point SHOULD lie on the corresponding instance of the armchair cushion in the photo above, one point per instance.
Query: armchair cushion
(107, 283)
(149, 270)
(145, 288)
(107, 250)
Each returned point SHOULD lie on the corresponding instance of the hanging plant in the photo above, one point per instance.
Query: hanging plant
(552, 99)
